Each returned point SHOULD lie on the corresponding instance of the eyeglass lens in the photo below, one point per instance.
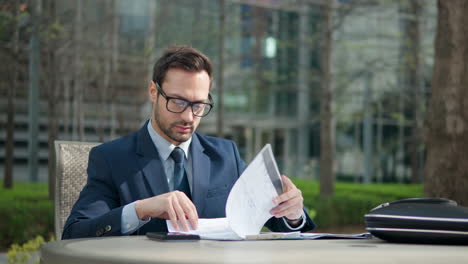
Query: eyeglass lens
(179, 105)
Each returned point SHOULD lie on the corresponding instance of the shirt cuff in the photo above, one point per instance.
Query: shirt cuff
(298, 227)
(130, 221)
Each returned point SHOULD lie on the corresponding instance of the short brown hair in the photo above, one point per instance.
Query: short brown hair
(181, 57)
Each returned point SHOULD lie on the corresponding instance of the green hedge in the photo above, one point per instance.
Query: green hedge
(25, 212)
(351, 201)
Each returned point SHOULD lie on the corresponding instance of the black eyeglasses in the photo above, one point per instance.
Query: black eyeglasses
(179, 105)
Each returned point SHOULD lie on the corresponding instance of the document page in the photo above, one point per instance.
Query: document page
(251, 197)
(248, 204)
(331, 236)
(213, 228)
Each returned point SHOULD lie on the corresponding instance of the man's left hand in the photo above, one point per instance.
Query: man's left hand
(290, 203)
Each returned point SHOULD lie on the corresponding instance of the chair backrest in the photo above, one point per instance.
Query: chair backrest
(70, 177)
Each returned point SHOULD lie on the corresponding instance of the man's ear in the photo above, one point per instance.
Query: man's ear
(152, 91)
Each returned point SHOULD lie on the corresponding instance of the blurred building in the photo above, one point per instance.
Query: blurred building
(106, 49)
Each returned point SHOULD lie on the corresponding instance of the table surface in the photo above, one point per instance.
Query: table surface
(139, 249)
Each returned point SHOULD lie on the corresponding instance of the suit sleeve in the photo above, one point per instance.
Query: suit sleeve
(97, 212)
(279, 225)
(275, 224)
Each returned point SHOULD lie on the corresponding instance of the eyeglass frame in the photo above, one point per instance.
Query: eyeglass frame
(161, 91)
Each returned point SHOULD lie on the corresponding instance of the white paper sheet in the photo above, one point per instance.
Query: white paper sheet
(251, 198)
(212, 228)
(249, 202)
(331, 236)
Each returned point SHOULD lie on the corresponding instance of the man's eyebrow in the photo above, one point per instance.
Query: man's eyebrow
(181, 97)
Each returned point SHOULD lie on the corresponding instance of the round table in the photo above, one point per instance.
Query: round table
(139, 249)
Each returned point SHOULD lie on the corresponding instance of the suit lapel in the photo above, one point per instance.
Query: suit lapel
(150, 162)
(155, 175)
(201, 174)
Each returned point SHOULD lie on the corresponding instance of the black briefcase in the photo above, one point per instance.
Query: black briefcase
(419, 220)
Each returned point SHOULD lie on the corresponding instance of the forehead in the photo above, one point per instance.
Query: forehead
(176, 75)
(190, 85)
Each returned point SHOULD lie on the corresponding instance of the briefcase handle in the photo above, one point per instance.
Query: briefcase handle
(419, 201)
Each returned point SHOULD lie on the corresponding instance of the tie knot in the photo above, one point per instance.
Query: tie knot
(177, 155)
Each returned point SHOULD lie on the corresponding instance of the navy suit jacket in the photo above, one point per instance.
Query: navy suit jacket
(129, 169)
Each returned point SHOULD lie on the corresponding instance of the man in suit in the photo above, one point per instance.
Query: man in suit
(166, 170)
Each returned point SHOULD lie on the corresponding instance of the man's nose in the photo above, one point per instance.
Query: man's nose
(187, 115)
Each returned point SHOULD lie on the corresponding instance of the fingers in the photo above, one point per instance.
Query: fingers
(182, 209)
(286, 180)
(291, 209)
(286, 196)
(290, 203)
(174, 206)
(193, 216)
(172, 217)
(179, 213)
(290, 191)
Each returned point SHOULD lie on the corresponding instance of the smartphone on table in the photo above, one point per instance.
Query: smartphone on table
(171, 236)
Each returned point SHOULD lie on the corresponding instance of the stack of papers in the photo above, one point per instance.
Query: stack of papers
(333, 236)
(249, 202)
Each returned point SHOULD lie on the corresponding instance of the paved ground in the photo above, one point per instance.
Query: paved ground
(3, 258)
(21, 173)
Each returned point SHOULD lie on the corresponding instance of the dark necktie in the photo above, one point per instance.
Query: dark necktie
(180, 177)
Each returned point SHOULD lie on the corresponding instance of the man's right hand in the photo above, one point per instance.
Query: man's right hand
(175, 206)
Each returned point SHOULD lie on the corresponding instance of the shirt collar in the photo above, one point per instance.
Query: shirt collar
(164, 147)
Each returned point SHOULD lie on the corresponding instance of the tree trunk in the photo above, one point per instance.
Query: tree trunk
(53, 97)
(67, 123)
(220, 82)
(78, 120)
(327, 122)
(303, 102)
(368, 131)
(112, 91)
(10, 124)
(447, 128)
(412, 79)
(259, 28)
(33, 92)
(103, 116)
(418, 91)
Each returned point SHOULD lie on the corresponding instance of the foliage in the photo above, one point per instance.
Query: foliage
(351, 201)
(26, 253)
(6, 20)
(25, 212)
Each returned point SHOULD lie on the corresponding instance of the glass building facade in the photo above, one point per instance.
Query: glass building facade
(104, 51)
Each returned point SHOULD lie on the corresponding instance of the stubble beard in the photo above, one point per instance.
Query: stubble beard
(167, 129)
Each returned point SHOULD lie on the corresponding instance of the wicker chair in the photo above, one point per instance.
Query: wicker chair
(70, 177)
